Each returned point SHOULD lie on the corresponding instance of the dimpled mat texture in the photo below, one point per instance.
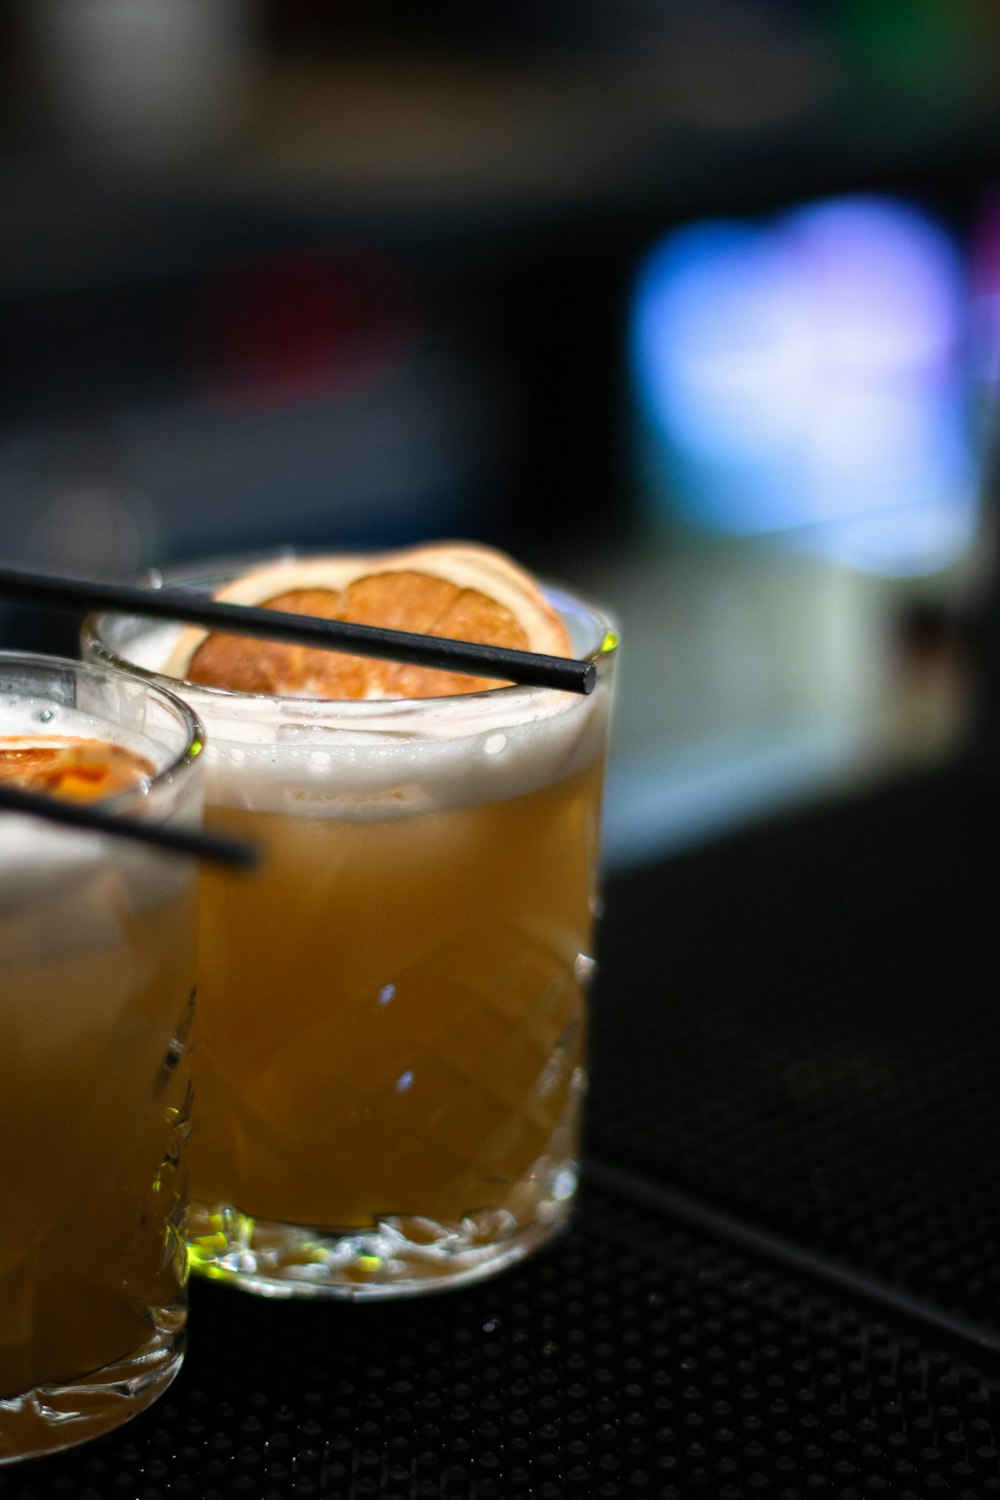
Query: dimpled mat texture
(812, 1015)
(782, 1277)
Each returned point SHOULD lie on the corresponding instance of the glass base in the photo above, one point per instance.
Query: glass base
(56, 1416)
(399, 1256)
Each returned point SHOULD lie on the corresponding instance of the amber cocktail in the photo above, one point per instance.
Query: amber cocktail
(96, 973)
(392, 1015)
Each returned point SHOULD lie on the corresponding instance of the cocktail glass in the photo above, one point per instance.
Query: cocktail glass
(97, 966)
(392, 1014)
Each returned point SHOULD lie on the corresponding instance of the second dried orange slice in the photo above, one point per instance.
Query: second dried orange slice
(78, 770)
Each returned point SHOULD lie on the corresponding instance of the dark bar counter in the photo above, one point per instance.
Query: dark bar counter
(783, 1276)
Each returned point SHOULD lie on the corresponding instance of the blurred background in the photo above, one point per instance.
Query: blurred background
(693, 304)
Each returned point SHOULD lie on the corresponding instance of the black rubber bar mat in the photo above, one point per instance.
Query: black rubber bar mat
(637, 1357)
(801, 1026)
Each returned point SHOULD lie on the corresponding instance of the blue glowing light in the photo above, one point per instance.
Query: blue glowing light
(802, 376)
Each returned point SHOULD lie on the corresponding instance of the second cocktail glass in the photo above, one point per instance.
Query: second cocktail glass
(97, 967)
(392, 1014)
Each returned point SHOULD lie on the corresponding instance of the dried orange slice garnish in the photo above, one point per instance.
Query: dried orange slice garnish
(78, 770)
(457, 589)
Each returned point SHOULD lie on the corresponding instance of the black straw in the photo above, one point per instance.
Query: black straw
(171, 838)
(528, 668)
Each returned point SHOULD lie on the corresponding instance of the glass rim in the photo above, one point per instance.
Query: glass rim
(605, 651)
(180, 762)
